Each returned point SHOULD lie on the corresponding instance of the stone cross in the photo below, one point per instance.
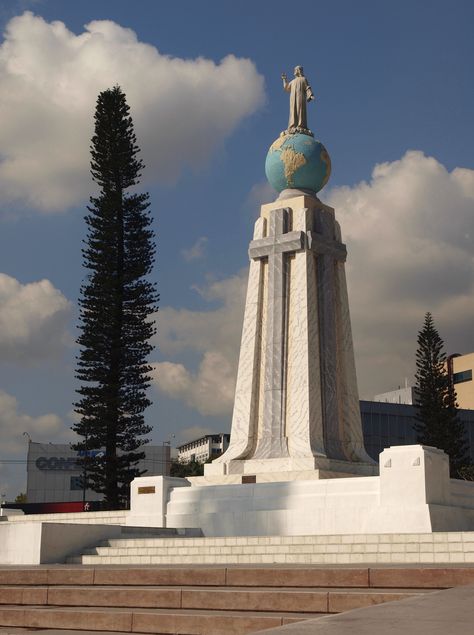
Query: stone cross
(271, 441)
(278, 244)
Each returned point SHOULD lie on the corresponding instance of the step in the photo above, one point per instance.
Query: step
(152, 532)
(415, 577)
(302, 600)
(18, 630)
(189, 622)
(279, 558)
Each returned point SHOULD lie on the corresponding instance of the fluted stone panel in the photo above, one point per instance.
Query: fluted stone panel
(246, 402)
(351, 425)
(303, 403)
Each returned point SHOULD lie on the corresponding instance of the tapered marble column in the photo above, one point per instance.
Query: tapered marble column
(296, 404)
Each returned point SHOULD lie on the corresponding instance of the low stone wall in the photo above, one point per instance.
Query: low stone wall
(41, 542)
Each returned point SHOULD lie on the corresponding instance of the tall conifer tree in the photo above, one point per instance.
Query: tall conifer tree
(117, 302)
(437, 422)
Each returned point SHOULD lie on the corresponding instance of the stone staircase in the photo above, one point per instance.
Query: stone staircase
(439, 547)
(202, 600)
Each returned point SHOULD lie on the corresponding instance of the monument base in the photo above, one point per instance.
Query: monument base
(413, 494)
(282, 469)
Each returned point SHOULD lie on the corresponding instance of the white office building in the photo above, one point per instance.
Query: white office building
(204, 448)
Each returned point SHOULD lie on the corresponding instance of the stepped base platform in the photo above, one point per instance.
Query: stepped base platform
(440, 547)
(35, 542)
(412, 494)
(203, 600)
(283, 469)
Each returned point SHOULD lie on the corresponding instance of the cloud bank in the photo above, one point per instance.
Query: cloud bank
(215, 336)
(409, 232)
(13, 423)
(33, 320)
(183, 110)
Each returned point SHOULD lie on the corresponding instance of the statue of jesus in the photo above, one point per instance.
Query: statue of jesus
(300, 92)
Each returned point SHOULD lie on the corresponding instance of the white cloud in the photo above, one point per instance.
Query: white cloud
(14, 423)
(410, 242)
(196, 251)
(33, 320)
(50, 78)
(215, 335)
(210, 390)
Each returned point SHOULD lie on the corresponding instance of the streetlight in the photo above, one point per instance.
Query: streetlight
(168, 458)
(168, 442)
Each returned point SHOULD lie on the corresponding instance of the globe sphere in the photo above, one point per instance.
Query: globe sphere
(297, 161)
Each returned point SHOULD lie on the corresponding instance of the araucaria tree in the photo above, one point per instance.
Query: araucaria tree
(437, 422)
(116, 307)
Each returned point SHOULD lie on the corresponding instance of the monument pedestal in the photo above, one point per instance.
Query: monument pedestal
(282, 469)
(413, 494)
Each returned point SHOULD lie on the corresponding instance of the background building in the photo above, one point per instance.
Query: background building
(385, 424)
(460, 369)
(406, 395)
(54, 476)
(211, 445)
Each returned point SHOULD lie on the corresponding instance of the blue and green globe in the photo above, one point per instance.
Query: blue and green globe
(297, 161)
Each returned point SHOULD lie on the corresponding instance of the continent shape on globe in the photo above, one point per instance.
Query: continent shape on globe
(297, 161)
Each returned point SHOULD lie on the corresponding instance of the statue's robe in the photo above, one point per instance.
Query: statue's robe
(300, 91)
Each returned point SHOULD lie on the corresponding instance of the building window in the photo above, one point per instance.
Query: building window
(75, 483)
(465, 375)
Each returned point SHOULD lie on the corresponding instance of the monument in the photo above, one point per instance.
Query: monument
(296, 411)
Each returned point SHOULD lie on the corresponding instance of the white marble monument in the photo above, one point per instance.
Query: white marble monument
(296, 410)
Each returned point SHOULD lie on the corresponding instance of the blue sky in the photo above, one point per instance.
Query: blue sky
(394, 104)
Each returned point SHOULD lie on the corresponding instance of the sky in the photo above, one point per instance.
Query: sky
(394, 107)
